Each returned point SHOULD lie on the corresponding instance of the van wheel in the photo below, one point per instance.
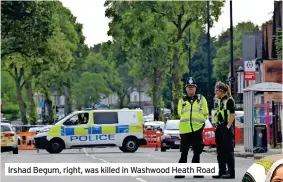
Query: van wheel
(130, 145)
(49, 150)
(16, 151)
(163, 149)
(56, 146)
(122, 149)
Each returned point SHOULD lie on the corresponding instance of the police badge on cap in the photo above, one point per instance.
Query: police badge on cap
(191, 82)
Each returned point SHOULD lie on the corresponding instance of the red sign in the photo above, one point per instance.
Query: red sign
(249, 75)
(249, 70)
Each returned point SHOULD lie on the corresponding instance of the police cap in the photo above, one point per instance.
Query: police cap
(191, 82)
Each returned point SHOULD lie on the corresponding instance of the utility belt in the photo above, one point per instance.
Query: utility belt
(222, 123)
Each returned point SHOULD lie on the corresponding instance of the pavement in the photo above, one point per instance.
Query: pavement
(240, 152)
(111, 155)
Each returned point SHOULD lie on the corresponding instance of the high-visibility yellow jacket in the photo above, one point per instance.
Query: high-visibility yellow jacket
(192, 116)
(223, 110)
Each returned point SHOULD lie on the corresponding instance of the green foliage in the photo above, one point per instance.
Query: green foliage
(90, 87)
(222, 58)
(200, 64)
(8, 88)
(278, 43)
(42, 44)
(10, 110)
(25, 26)
(154, 52)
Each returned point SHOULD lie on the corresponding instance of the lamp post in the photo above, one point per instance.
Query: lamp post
(231, 79)
(189, 52)
(55, 103)
(209, 63)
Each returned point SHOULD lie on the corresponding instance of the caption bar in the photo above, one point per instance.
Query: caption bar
(110, 169)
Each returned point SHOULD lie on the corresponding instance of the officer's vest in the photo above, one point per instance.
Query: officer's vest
(192, 118)
(223, 112)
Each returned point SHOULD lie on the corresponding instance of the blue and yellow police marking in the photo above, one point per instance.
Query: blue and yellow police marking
(93, 137)
(97, 130)
(87, 130)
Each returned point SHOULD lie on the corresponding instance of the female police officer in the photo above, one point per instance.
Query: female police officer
(224, 134)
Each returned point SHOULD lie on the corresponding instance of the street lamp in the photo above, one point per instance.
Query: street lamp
(210, 102)
(189, 52)
(55, 98)
(231, 79)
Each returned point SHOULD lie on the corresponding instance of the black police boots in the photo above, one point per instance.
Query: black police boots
(179, 176)
(198, 176)
(228, 176)
(220, 174)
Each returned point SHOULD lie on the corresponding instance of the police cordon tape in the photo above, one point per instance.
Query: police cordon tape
(110, 169)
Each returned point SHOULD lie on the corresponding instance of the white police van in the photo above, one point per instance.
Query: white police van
(94, 128)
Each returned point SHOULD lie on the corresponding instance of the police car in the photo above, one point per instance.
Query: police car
(94, 128)
(9, 138)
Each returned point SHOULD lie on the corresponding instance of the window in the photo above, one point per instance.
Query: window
(262, 100)
(172, 126)
(105, 118)
(5, 128)
(135, 98)
(78, 119)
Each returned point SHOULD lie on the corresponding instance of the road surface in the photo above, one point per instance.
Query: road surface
(110, 155)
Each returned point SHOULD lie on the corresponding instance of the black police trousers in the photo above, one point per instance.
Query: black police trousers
(193, 140)
(224, 139)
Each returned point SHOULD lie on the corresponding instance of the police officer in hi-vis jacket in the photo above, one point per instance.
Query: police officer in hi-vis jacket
(224, 134)
(193, 111)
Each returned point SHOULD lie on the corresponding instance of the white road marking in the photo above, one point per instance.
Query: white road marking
(140, 180)
(102, 160)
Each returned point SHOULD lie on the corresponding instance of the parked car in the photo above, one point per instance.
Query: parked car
(153, 125)
(4, 120)
(171, 136)
(9, 138)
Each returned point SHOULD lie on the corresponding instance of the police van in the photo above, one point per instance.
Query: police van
(94, 128)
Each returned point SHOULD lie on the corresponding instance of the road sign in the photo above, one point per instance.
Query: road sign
(41, 104)
(249, 70)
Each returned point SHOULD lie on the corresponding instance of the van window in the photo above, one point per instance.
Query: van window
(5, 128)
(105, 118)
(77, 119)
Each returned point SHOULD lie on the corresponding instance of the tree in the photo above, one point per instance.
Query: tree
(89, 88)
(26, 27)
(176, 17)
(146, 49)
(66, 50)
(182, 15)
(200, 63)
(222, 58)
(278, 43)
(125, 82)
(10, 107)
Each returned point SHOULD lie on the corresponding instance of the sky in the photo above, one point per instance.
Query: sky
(91, 13)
